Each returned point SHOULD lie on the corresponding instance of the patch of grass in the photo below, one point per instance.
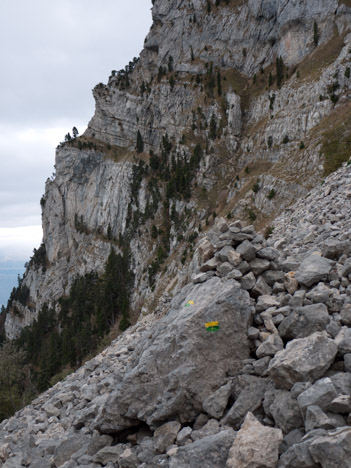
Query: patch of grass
(336, 141)
(311, 66)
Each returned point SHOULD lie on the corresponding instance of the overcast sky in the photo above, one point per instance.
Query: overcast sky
(52, 55)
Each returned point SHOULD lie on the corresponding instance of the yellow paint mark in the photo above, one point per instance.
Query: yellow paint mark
(211, 324)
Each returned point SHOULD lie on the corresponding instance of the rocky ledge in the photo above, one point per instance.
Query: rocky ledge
(249, 365)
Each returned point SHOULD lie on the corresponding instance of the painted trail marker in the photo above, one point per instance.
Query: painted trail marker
(189, 303)
(212, 326)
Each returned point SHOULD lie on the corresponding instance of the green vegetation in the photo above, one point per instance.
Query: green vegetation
(315, 33)
(13, 389)
(55, 342)
(271, 194)
(256, 187)
(336, 143)
(280, 71)
(139, 143)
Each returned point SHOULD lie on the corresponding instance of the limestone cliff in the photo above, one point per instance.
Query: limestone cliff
(206, 77)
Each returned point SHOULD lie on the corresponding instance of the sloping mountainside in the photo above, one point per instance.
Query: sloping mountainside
(268, 385)
(239, 349)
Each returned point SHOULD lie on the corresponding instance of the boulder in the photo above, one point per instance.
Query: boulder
(298, 456)
(228, 254)
(333, 450)
(270, 346)
(248, 281)
(259, 265)
(261, 288)
(246, 250)
(286, 412)
(165, 435)
(321, 394)
(304, 321)
(312, 270)
(216, 403)
(304, 359)
(265, 301)
(208, 452)
(177, 364)
(205, 250)
(346, 269)
(255, 446)
(249, 400)
(316, 418)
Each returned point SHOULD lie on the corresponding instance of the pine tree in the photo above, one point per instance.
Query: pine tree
(213, 128)
(315, 33)
(139, 143)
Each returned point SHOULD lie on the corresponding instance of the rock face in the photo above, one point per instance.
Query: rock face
(169, 93)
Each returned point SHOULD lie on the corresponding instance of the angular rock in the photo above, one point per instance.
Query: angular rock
(215, 404)
(265, 301)
(312, 270)
(254, 445)
(298, 456)
(304, 359)
(209, 452)
(165, 435)
(258, 266)
(228, 254)
(345, 314)
(272, 276)
(261, 288)
(248, 281)
(270, 346)
(341, 404)
(332, 450)
(205, 250)
(321, 394)
(268, 253)
(202, 277)
(316, 418)
(286, 412)
(304, 321)
(183, 436)
(211, 264)
(346, 269)
(176, 365)
(249, 400)
(246, 250)
(224, 268)
(290, 282)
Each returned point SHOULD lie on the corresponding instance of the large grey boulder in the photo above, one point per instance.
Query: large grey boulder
(333, 450)
(255, 445)
(312, 270)
(303, 359)
(178, 364)
(304, 321)
(208, 452)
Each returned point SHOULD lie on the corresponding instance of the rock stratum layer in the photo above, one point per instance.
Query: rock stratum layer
(234, 109)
